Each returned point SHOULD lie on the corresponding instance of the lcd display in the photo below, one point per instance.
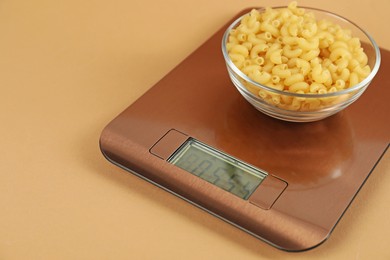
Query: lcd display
(218, 168)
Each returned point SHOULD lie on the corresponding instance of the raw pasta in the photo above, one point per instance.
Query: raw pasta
(289, 50)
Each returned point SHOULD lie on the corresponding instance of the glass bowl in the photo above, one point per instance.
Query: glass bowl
(298, 107)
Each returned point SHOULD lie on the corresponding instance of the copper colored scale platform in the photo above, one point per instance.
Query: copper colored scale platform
(314, 169)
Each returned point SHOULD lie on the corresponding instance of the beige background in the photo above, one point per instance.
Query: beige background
(67, 68)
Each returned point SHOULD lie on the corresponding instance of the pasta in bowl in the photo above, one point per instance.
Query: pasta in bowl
(299, 64)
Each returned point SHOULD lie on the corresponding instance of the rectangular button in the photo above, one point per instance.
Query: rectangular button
(268, 192)
(168, 144)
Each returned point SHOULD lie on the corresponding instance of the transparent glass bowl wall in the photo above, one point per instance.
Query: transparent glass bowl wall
(330, 103)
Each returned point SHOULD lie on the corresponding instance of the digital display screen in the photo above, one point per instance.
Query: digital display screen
(218, 168)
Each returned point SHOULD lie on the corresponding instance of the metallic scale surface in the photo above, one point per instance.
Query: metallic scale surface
(324, 163)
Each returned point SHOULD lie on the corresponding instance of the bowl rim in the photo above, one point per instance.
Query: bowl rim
(358, 86)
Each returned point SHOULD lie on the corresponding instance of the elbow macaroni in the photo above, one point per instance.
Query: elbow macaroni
(289, 50)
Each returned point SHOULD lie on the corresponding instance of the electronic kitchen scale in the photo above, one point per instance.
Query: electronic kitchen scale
(288, 184)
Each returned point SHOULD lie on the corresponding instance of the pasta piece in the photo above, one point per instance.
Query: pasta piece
(291, 53)
(304, 66)
(308, 45)
(339, 53)
(316, 87)
(257, 49)
(281, 71)
(293, 79)
(320, 75)
(255, 40)
(276, 57)
(261, 77)
(240, 49)
(299, 86)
